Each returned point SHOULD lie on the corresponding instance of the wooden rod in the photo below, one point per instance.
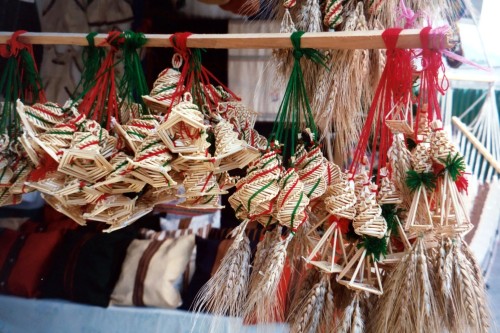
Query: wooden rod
(476, 143)
(371, 39)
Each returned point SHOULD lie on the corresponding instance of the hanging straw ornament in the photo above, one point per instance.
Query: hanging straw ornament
(19, 80)
(151, 163)
(342, 199)
(231, 152)
(450, 207)
(194, 77)
(201, 190)
(161, 97)
(256, 192)
(291, 201)
(136, 130)
(184, 130)
(120, 180)
(333, 14)
(311, 169)
(368, 220)
(421, 181)
(400, 161)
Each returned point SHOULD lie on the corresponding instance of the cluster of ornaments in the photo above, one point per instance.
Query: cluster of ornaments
(116, 176)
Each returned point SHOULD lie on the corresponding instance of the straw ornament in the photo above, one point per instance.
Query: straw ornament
(257, 190)
(291, 201)
(341, 200)
(368, 220)
(388, 194)
(311, 170)
(44, 116)
(400, 160)
(441, 146)
(421, 157)
(184, 130)
(201, 190)
(162, 95)
(333, 13)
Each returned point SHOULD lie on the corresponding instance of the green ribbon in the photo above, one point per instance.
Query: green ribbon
(295, 108)
(454, 165)
(92, 57)
(375, 246)
(415, 180)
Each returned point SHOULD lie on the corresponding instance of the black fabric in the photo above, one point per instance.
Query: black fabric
(88, 265)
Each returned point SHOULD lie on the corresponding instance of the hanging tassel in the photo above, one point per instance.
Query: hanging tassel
(194, 77)
(92, 58)
(100, 102)
(226, 291)
(264, 300)
(132, 84)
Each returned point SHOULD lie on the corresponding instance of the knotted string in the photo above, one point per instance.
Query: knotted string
(100, 102)
(295, 108)
(393, 91)
(195, 78)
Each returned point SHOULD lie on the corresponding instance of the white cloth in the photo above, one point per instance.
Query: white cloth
(19, 315)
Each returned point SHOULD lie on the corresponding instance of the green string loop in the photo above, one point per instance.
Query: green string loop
(295, 110)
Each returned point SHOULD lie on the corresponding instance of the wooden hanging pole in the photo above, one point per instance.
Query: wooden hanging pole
(408, 39)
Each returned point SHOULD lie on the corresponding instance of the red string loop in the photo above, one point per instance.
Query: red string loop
(13, 46)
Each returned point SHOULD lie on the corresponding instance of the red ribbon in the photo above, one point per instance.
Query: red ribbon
(394, 88)
(188, 75)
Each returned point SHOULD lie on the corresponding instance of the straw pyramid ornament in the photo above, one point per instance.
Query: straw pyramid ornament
(361, 272)
(324, 254)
